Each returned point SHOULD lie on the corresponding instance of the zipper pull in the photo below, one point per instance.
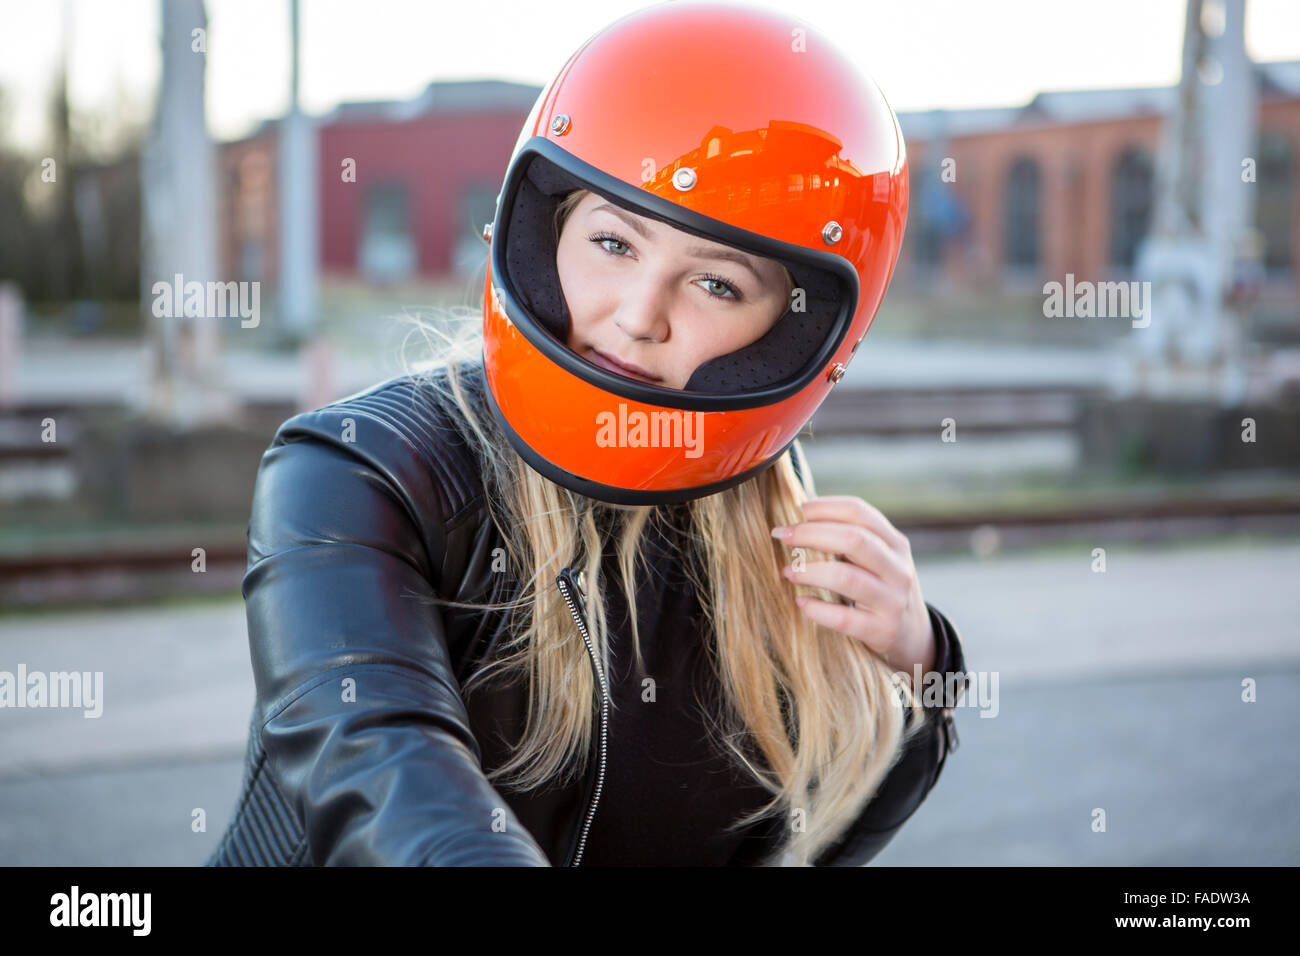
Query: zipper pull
(571, 586)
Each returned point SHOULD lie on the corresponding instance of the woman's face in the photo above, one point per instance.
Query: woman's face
(647, 295)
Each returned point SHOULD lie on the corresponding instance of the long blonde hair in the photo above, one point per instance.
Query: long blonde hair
(822, 712)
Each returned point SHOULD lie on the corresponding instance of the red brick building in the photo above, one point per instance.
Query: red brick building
(1062, 184)
(404, 187)
(1066, 184)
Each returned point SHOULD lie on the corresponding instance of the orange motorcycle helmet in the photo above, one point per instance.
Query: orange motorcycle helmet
(742, 126)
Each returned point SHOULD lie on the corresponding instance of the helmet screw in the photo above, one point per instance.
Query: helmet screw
(831, 232)
(560, 124)
(684, 179)
(487, 233)
(836, 373)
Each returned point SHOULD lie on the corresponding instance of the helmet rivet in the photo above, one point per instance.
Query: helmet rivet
(831, 232)
(487, 233)
(836, 373)
(684, 179)
(560, 124)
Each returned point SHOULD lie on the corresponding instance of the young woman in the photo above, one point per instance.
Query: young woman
(566, 596)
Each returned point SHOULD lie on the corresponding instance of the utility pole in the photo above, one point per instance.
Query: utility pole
(296, 313)
(1204, 210)
(179, 230)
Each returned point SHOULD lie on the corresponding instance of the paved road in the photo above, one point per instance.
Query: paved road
(1120, 691)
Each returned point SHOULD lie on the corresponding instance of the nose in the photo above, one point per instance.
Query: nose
(643, 311)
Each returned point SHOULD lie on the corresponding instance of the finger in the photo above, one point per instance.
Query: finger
(855, 511)
(854, 622)
(859, 545)
(849, 581)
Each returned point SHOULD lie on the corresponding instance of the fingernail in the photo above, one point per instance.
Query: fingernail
(781, 532)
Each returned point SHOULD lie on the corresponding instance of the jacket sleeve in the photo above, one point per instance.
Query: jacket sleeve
(362, 721)
(917, 770)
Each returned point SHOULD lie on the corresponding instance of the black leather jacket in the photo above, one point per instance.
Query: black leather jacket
(361, 749)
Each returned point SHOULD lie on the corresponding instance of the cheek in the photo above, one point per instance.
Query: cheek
(761, 318)
(582, 283)
(583, 317)
(723, 333)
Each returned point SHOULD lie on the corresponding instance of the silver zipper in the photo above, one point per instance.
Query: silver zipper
(570, 585)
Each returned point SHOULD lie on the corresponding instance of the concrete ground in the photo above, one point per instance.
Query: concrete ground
(1118, 691)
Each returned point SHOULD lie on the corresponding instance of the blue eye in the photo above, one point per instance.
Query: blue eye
(603, 237)
(735, 293)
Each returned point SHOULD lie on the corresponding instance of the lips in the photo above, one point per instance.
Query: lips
(612, 364)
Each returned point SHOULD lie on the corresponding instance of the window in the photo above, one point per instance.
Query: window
(1020, 219)
(1131, 187)
(387, 251)
(1276, 199)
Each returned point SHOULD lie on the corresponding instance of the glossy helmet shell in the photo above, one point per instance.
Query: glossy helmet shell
(743, 126)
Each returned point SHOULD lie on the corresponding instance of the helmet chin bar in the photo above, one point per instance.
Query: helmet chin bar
(611, 494)
(791, 353)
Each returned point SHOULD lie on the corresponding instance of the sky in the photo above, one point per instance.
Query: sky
(925, 54)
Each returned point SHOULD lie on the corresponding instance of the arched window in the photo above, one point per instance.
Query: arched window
(1131, 193)
(1020, 219)
(1276, 199)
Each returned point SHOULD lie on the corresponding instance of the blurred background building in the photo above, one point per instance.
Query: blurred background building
(1065, 183)
(433, 168)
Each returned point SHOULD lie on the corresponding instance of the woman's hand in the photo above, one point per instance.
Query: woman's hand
(877, 575)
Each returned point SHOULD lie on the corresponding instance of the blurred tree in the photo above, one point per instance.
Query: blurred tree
(15, 221)
(78, 237)
(63, 256)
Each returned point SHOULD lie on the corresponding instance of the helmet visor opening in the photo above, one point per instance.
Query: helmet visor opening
(525, 241)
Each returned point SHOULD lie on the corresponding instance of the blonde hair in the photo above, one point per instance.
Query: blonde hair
(813, 714)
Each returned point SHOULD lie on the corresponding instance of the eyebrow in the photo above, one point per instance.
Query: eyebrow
(704, 252)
